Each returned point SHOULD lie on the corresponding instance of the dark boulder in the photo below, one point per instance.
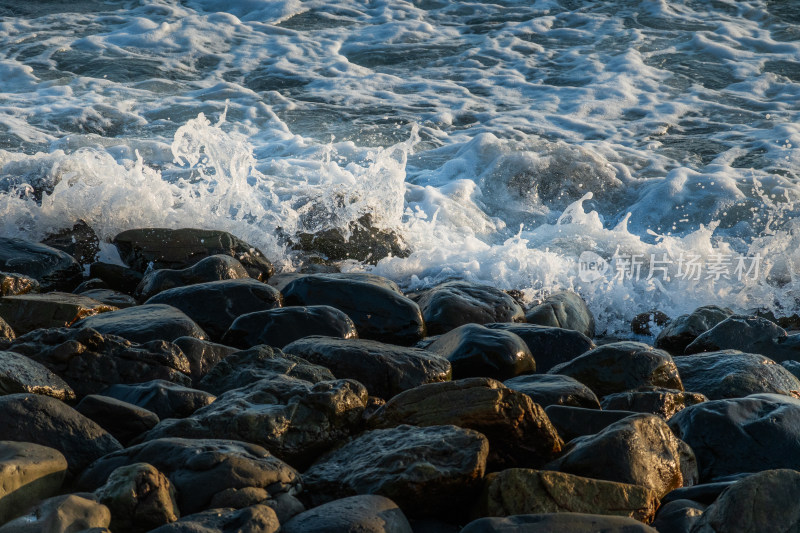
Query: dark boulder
(52, 268)
(117, 299)
(377, 312)
(254, 519)
(519, 432)
(477, 351)
(456, 303)
(367, 513)
(180, 248)
(165, 399)
(557, 523)
(116, 277)
(733, 374)
(216, 304)
(645, 323)
(68, 513)
(429, 471)
(212, 268)
(680, 332)
(80, 241)
(622, 366)
(279, 327)
(202, 355)
(549, 346)
(28, 312)
(384, 369)
(563, 310)
(654, 400)
(748, 334)
(574, 422)
(145, 323)
(123, 420)
(791, 366)
(554, 389)
(678, 516)
(20, 374)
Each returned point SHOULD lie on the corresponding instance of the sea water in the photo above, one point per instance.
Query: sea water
(645, 154)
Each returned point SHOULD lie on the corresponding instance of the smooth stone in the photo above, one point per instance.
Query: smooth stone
(254, 519)
(282, 326)
(50, 422)
(28, 312)
(90, 284)
(293, 419)
(678, 516)
(748, 334)
(180, 248)
(212, 268)
(645, 323)
(260, 362)
(574, 422)
(280, 281)
(705, 493)
(563, 310)
(123, 420)
(557, 523)
(6, 332)
(622, 366)
(28, 473)
(89, 362)
(654, 400)
(429, 471)
(62, 514)
(200, 469)
(139, 497)
(549, 345)
(645, 453)
(554, 389)
(759, 432)
(366, 513)
(202, 355)
(113, 298)
(522, 491)
(733, 374)
(793, 367)
(384, 369)
(519, 432)
(145, 323)
(680, 332)
(117, 277)
(80, 241)
(52, 268)
(378, 313)
(766, 501)
(13, 284)
(165, 399)
(20, 374)
(476, 351)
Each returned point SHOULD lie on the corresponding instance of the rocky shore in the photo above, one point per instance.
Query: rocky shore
(197, 390)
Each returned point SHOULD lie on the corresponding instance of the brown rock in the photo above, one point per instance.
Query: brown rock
(28, 473)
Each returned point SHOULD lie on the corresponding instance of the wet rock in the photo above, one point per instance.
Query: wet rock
(549, 346)
(767, 501)
(212, 268)
(145, 323)
(554, 389)
(791, 366)
(680, 332)
(477, 351)
(563, 310)
(428, 471)
(15, 284)
(519, 491)
(279, 327)
(557, 523)
(80, 241)
(180, 248)
(733, 374)
(165, 399)
(293, 419)
(260, 362)
(116, 277)
(645, 453)
(52, 268)
(759, 432)
(254, 519)
(455, 303)
(62, 514)
(363, 514)
(377, 312)
(139, 497)
(89, 362)
(200, 469)
(49, 422)
(28, 312)
(123, 420)
(678, 516)
(384, 369)
(215, 305)
(19, 374)
(645, 323)
(117, 299)
(28, 473)
(622, 366)
(748, 334)
(285, 505)
(519, 432)
(6, 333)
(653, 400)
(90, 284)
(705, 493)
(202, 355)
(574, 422)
